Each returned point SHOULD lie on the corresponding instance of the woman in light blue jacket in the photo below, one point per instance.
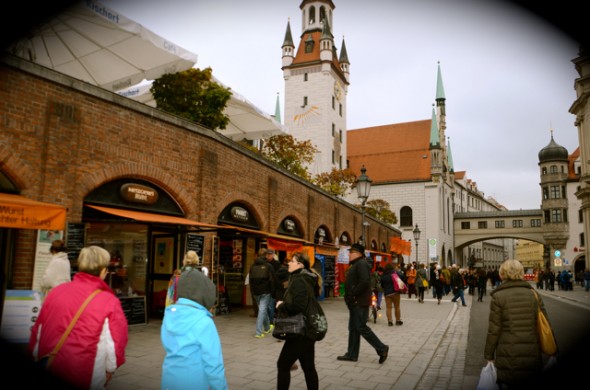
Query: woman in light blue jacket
(194, 359)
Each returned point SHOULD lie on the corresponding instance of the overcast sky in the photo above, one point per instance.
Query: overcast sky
(508, 75)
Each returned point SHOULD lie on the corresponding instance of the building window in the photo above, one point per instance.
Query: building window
(304, 101)
(305, 77)
(553, 169)
(582, 243)
(333, 103)
(482, 225)
(555, 192)
(499, 224)
(405, 216)
(556, 215)
(517, 223)
(535, 223)
(340, 135)
(544, 171)
(465, 225)
(545, 193)
(580, 216)
(333, 157)
(547, 216)
(333, 130)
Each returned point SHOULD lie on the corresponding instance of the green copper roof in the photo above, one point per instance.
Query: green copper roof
(434, 138)
(278, 110)
(343, 54)
(440, 89)
(450, 156)
(288, 38)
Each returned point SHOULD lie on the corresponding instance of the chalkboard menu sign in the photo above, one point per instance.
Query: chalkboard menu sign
(134, 309)
(75, 237)
(195, 242)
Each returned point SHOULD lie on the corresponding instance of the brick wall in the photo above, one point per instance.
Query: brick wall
(61, 138)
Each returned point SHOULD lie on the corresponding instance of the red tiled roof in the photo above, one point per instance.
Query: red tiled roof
(305, 59)
(571, 171)
(391, 153)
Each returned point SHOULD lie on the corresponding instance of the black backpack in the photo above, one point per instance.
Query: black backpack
(315, 319)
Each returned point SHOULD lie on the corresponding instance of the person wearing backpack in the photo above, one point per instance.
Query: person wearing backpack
(304, 285)
(262, 282)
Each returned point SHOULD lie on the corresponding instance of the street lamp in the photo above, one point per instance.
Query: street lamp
(416, 232)
(363, 188)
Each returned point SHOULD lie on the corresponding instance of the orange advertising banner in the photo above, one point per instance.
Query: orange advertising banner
(21, 213)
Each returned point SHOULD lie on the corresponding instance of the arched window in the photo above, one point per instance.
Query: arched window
(405, 216)
(322, 13)
(311, 15)
(553, 169)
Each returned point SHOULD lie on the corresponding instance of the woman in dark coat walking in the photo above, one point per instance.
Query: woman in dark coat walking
(512, 343)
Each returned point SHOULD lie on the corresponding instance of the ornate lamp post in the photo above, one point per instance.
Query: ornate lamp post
(363, 188)
(416, 232)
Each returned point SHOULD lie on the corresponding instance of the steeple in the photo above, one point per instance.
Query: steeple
(326, 42)
(434, 136)
(288, 46)
(278, 110)
(344, 63)
(450, 156)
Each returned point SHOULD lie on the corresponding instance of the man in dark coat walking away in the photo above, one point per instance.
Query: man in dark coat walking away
(357, 295)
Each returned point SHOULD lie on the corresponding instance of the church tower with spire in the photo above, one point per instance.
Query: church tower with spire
(316, 85)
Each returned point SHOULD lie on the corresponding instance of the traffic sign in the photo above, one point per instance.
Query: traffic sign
(557, 253)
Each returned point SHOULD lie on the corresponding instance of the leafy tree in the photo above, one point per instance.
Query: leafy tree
(285, 151)
(337, 182)
(193, 95)
(380, 209)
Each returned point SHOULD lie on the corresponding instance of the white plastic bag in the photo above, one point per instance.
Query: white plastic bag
(487, 378)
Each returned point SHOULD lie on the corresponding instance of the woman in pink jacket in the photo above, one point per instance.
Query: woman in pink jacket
(95, 347)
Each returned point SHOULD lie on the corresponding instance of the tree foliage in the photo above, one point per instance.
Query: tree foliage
(380, 209)
(337, 182)
(193, 95)
(285, 151)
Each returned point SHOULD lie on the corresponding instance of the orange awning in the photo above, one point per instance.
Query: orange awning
(21, 213)
(149, 217)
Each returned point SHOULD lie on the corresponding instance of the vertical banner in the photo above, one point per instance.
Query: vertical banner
(42, 255)
(432, 248)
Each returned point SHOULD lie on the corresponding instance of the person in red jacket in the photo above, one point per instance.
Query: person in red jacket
(95, 347)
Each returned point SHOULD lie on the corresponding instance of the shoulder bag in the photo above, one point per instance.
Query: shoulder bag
(398, 284)
(546, 338)
(45, 361)
(287, 327)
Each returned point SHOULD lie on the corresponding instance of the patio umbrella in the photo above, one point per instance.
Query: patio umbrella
(93, 43)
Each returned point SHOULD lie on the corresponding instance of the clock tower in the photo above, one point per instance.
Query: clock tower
(316, 85)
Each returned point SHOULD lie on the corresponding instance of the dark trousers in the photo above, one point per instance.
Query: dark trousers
(357, 327)
(303, 349)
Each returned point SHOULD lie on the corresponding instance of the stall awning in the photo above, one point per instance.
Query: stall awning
(21, 213)
(263, 233)
(151, 218)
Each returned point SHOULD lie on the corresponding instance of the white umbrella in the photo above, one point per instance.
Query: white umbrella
(93, 43)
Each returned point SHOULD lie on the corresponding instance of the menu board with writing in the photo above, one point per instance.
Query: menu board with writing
(134, 309)
(195, 242)
(329, 276)
(75, 236)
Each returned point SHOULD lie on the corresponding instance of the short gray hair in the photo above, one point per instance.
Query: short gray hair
(93, 259)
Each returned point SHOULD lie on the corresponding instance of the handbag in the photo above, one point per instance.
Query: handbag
(487, 378)
(45, 361)
(546, 338)
(425, 283)
(398, 284)
(287, 327)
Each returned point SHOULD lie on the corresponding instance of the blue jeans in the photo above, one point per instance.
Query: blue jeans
(263, 320)
(459, 294)
(357, 327)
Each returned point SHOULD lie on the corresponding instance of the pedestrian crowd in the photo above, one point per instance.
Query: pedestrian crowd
(194, 356)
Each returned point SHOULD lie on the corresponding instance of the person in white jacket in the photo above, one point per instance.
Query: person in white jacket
(58, 270)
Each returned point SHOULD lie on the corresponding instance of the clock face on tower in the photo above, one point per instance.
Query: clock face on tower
(338, 91)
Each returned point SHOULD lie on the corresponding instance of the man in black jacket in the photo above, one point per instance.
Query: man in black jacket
(262, 284)
(357, 296)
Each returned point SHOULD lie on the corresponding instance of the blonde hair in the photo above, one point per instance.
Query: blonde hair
(93, 259)
(191, 258)
(511, 270)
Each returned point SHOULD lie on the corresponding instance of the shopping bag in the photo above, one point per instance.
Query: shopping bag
(487, 378)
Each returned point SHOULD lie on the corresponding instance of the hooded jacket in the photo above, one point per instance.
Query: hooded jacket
(97, 342)
(512, 339)
(262, 277)
(58, 271)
